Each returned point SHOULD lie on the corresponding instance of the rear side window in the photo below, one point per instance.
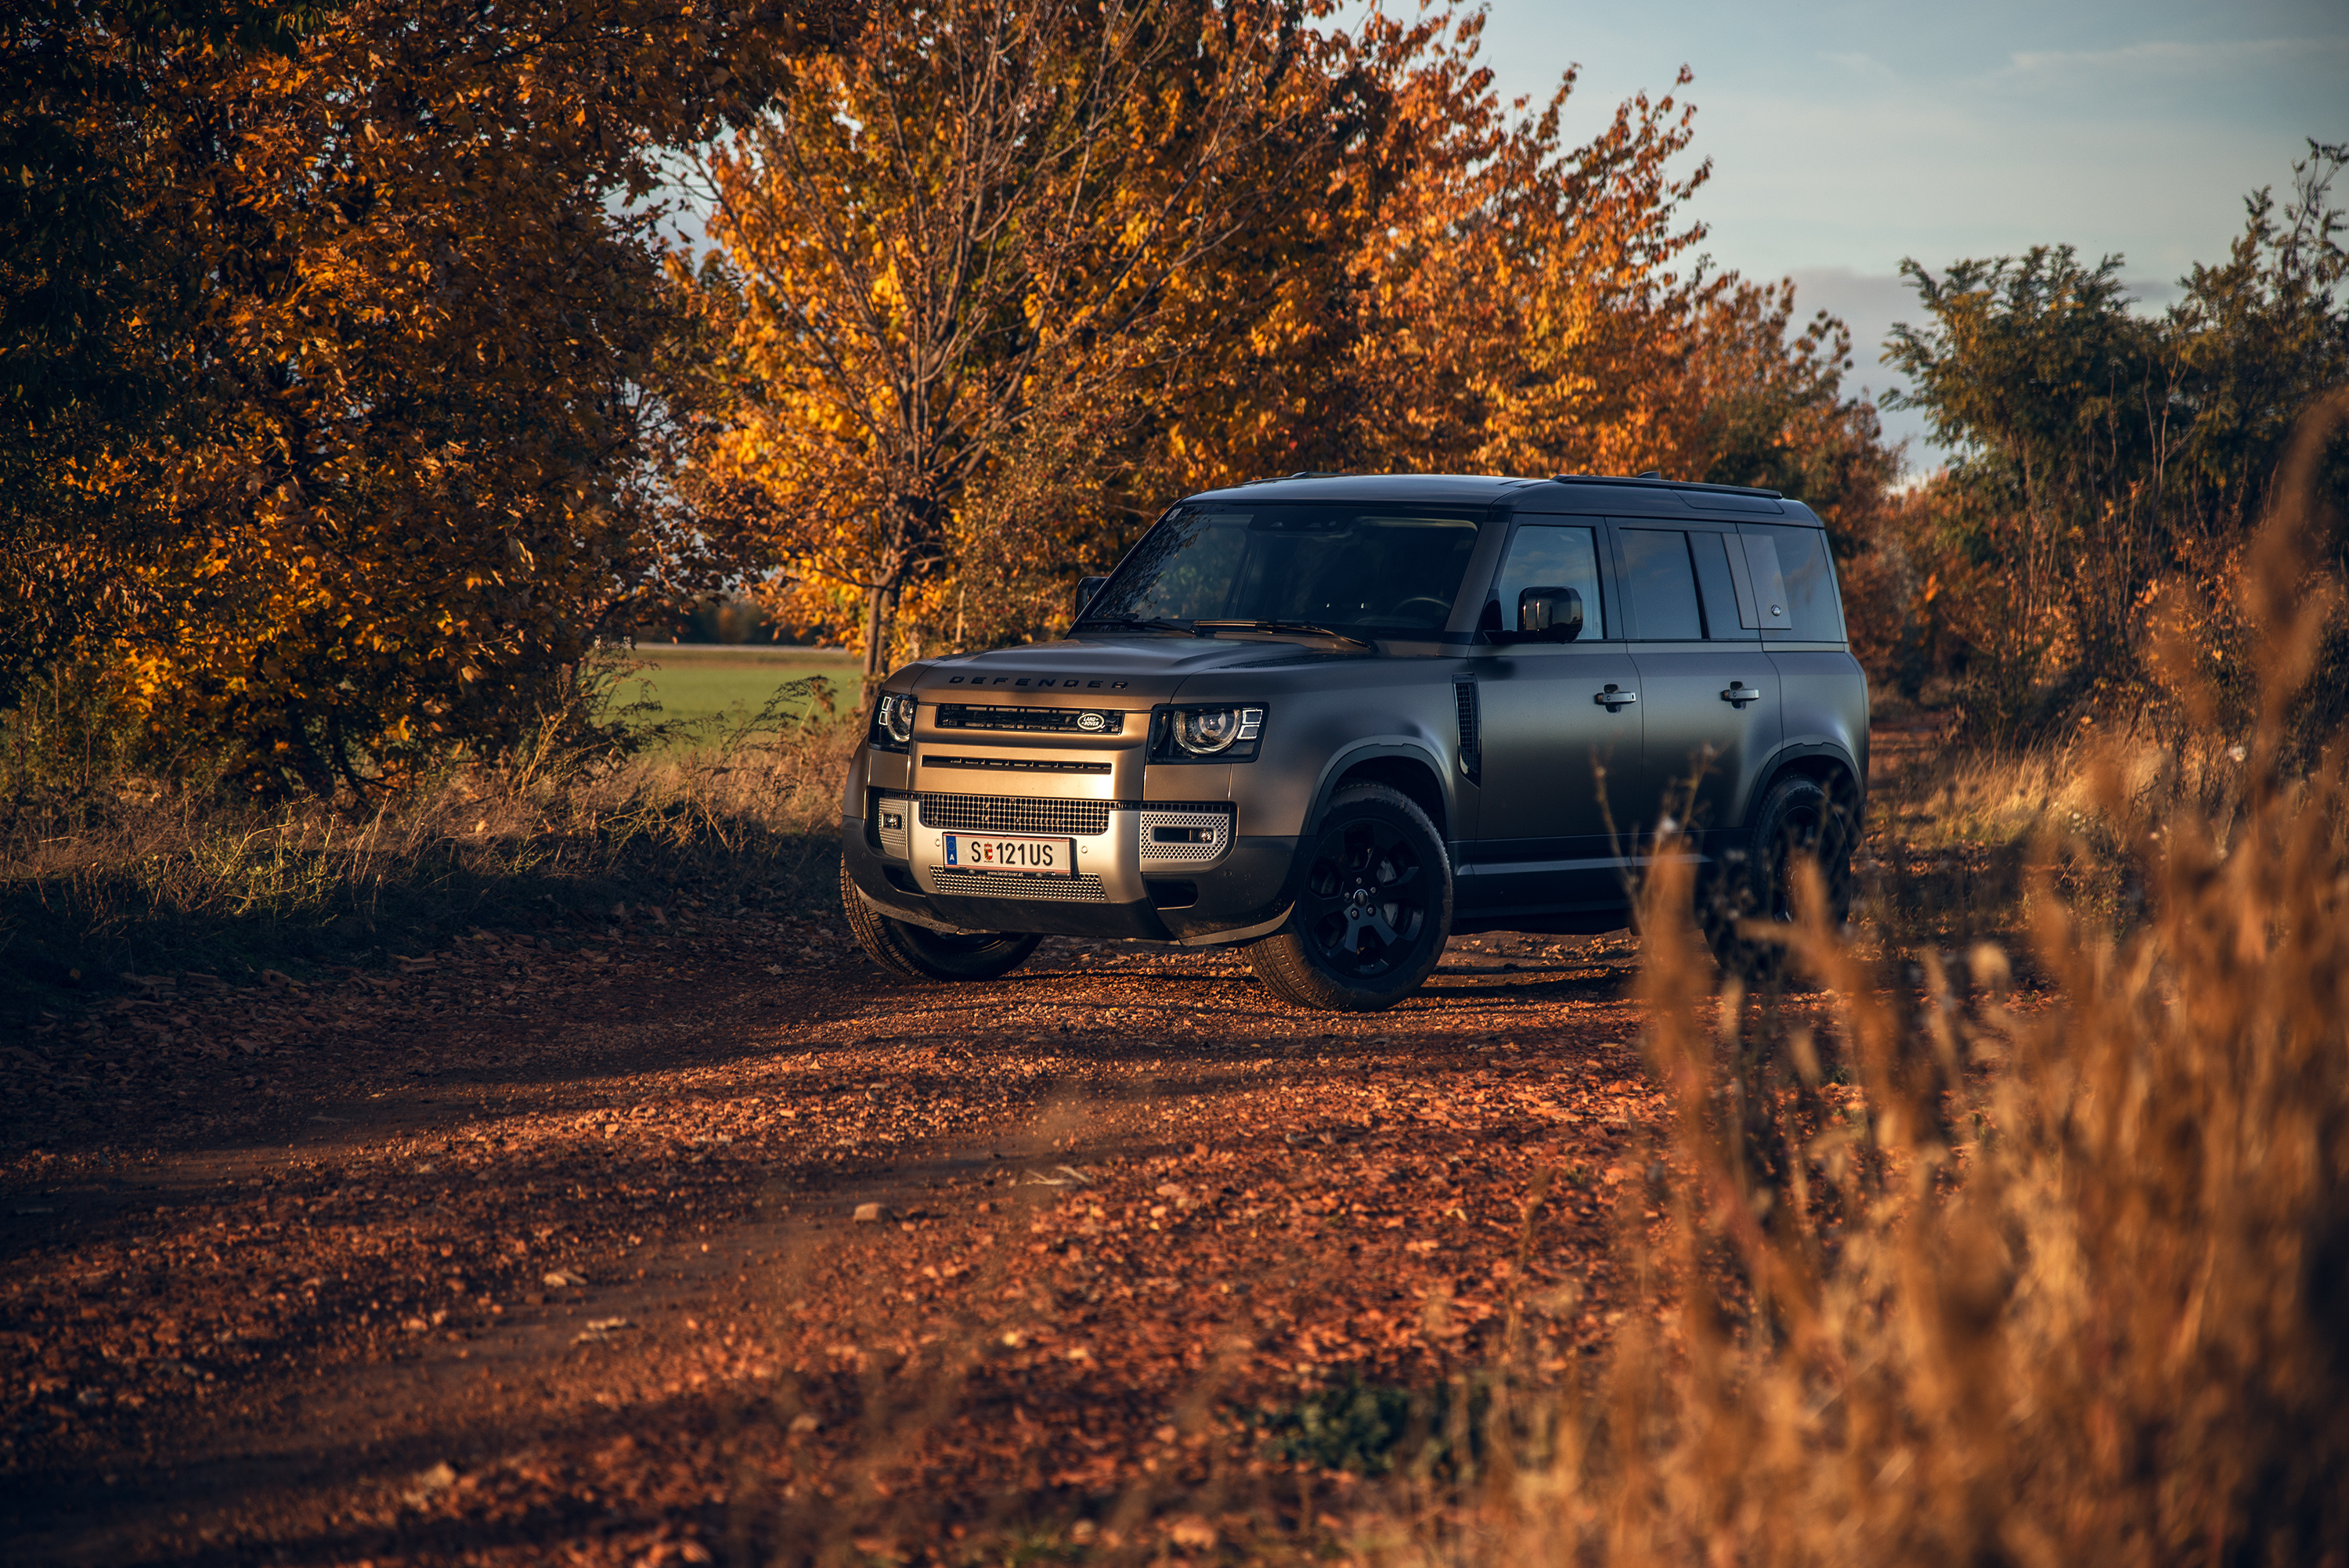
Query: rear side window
(1659, 581)
(1794, 560)
(1728, 618)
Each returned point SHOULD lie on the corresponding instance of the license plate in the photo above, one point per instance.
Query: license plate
(992, 853)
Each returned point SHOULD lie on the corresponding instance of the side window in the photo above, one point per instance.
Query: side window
(1659, 581)
(1546, 555)
(1795, 560)
(1728, 615)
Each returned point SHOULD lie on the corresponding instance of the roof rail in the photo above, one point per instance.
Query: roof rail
(1299, 474)
(1655, 477)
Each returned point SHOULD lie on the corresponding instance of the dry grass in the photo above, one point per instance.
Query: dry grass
(1963, 840)
(105, 870)
(2058, 1284)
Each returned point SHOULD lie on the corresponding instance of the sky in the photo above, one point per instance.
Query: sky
(1846, 137)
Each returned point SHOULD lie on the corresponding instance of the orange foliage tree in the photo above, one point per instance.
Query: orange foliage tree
(1524, 306)
(403, 299)
(997, 284)
(961, 260)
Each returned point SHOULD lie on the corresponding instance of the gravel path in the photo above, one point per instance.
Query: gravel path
(702, 1243)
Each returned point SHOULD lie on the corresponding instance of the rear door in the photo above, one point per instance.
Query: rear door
(1557, 756)
(1710, 691)
(1803, 628)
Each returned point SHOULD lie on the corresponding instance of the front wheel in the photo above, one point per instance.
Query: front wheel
(1799, 820)
(917, 952)
(1373, 908)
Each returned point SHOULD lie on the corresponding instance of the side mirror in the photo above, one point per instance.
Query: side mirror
(1552, 613)
(1086, 588)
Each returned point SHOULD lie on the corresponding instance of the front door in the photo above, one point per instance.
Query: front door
(1697, 644)
(1560, 738)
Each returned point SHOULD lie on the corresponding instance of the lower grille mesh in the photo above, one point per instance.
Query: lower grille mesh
(1015, 814)
(996, 884)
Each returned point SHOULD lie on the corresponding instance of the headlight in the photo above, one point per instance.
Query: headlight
(893, 721)
(1210, 733)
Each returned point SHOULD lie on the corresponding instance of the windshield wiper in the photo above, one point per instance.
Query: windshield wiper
(1139, 624)
(1306, 626)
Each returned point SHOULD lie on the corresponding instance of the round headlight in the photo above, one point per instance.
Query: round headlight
(897, 717)
(1205, 731)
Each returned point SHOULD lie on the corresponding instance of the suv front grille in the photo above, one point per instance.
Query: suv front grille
(1032, 720)
(1015, 814)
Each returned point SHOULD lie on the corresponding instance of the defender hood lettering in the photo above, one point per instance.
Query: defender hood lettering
(1136, 669)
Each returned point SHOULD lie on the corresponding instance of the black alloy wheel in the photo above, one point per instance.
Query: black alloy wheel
(1364, 901)
(1800, 821)
(1373, 907)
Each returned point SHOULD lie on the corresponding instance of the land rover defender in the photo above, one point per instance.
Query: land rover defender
(1339, 718)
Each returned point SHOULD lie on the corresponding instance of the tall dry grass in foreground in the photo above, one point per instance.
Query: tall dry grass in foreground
(2058, 1285)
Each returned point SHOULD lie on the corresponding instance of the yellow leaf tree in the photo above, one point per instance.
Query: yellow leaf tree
(403, 296)
(969, 256)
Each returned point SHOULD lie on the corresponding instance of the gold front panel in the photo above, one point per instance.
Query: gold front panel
(953, 765)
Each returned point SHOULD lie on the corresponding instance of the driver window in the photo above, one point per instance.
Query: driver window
(1544, 555)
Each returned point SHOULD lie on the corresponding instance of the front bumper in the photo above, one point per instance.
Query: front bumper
(1162, 871)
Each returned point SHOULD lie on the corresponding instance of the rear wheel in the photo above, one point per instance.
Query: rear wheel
(917, 952)
(1801, 819)
(1373, 908)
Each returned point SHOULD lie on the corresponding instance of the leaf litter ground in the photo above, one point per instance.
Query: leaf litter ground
(519, 1253)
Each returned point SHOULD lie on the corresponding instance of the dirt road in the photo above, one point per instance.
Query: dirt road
(528, 1255)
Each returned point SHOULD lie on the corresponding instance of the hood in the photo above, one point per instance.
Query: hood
(1145, 667)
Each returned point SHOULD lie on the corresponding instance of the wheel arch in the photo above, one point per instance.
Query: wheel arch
(1406, 770)
(1825, 762)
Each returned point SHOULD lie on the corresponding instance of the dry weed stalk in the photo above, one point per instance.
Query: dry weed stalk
(2041, 1284)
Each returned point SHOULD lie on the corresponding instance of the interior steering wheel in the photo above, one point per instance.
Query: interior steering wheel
(1442, 607)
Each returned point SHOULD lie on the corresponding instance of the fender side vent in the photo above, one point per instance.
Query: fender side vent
(1472, 750)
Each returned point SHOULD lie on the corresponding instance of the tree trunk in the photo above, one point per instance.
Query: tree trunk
(876, 668)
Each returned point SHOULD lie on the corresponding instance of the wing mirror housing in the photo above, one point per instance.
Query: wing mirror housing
(1087, 587)
(1553, 613)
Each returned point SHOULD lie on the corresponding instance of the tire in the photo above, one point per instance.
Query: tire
(1799, 819)
(1373, 908)
(917, 952)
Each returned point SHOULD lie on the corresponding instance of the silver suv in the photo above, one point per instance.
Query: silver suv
(1339, 718)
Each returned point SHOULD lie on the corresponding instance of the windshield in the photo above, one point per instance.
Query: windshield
(1354, 569)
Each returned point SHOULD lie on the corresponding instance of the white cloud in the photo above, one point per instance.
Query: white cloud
(2165, 55)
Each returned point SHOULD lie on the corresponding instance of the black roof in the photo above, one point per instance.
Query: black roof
(1473, 489)
(1593, 493)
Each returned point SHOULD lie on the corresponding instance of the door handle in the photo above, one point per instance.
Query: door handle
(1739, 694)
(1613, 699)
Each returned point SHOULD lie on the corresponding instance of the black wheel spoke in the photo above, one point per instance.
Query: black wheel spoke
(1363, 901)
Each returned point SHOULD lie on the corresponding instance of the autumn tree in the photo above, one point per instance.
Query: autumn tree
(2109, 463)
(84, 292)
(402, 302)
(1529, 306)
(998, 284)
(959, 258)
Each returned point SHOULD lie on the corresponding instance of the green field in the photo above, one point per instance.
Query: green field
(713, 685)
